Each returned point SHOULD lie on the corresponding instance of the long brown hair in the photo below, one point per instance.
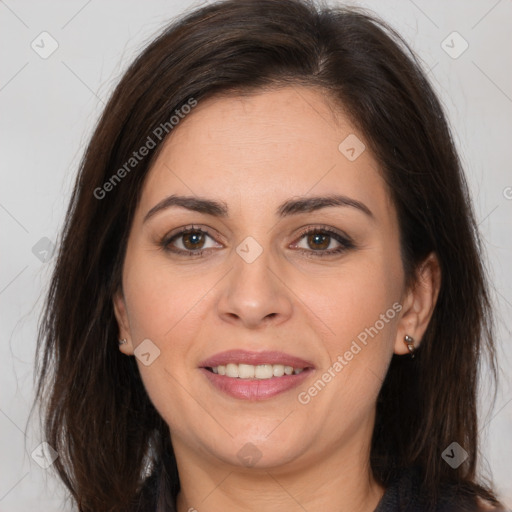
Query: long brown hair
(98, 415)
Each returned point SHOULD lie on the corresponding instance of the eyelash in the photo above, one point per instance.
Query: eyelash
(344, 240)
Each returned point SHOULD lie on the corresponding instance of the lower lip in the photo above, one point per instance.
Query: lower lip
(255, 389)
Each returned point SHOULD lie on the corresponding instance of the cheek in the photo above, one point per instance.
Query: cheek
(160, 297)
(360, 310)
(352, 299)
(166, 306)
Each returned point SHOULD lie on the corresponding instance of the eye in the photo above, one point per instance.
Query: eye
(189, 241)
(320, 239)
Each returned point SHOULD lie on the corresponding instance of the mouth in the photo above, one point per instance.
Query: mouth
(255, 375)
(241, 363)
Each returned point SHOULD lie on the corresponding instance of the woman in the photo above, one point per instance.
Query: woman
(261, 300)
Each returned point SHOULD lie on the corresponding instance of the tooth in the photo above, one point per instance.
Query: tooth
(263, 371)
(278, 370)
(232, 370)
(246, 371)
(249, 371)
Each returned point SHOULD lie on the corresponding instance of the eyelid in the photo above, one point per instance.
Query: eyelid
(183, 230)
(193, 227)
(324, 229)
(345, 241)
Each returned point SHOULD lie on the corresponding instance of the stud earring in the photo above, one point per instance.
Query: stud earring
(123, 341)
(410, 344)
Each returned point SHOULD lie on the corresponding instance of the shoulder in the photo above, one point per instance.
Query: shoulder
(465, 498)
(485, 506)
(406, 493)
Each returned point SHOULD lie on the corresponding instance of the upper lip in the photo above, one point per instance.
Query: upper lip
(254, 358)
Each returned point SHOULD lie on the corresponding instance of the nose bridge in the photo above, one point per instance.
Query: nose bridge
(253, 292)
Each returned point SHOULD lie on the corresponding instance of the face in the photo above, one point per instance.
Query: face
(323, 285)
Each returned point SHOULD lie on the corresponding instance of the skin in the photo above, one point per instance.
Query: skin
(253, 153)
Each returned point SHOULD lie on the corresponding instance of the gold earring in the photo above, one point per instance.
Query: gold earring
(410, 344)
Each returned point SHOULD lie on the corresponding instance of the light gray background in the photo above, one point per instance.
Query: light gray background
(49, 107)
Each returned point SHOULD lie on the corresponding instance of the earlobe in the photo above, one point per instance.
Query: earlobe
(419, 305)
(121, 314)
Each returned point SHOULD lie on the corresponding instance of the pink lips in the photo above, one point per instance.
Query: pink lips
(254, 358)
(255, 389)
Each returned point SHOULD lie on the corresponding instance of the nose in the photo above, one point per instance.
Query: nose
(254, 294)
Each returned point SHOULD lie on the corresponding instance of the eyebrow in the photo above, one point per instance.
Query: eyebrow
(289, 207)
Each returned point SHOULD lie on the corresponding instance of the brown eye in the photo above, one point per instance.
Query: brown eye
(318, 241)
(190, 241)
(193, 240)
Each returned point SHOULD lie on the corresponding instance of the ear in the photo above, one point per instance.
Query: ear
(123, 322)
(419, 303)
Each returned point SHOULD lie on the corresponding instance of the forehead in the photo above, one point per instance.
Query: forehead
(262, 148)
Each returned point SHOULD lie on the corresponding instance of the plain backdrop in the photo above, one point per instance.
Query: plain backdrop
(50, 103)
